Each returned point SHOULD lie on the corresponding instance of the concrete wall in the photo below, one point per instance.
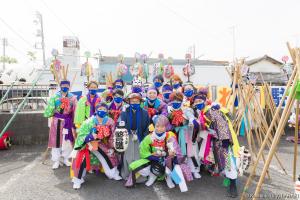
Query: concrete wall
(27, 128)
(265, 66)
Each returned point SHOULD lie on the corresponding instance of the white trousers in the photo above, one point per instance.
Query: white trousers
(64, 151)
(110, 173)
(232, 173)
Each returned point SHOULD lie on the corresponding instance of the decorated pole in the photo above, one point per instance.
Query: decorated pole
(158, 68)
(169, 69)
(121, 67)
(136, 67)
(55, 66)
(188, 69)
(86, 68)
(145, 68)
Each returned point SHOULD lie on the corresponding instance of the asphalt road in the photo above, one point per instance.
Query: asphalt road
(23, 176)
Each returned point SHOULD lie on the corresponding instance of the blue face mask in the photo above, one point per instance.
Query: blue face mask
(92, 91)
(118, 99)
(159, 134)
(118, 87)
(166, 95)
(176, 105)
(135, 106)
(177, 85)
(65, 89)
(200, 106)
(151, 100)
(188, 93)
(101, 113)
(137, 90)
(157, 84)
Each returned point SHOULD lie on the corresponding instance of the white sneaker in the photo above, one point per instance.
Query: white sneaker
(77, 183)
(170, 183)
(196, 175)
(117, 177)
(67, 162)
(55, 165)
(151, 179)
(74, 180)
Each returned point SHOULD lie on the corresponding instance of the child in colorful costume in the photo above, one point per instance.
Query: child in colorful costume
(160, 157)
(158, 81)
(219, 142)
(94, 145)
(137, 122)
(61, 108)
(118, 84)
(176, 83)
(86, 106)
(185, 126)
(188, 92)
(167, 90)
(153, 105)
(116, 105)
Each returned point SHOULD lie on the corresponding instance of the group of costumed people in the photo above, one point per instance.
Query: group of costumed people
(165, 131)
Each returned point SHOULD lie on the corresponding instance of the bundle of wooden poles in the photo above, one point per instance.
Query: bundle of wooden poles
(264, 125)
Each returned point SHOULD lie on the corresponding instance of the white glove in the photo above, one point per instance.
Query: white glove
(110, 152)
(73, 154)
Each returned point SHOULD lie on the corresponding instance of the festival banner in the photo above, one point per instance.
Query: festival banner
(223, 94)
(277, 93)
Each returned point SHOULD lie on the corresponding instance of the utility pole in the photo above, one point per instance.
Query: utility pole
(233, 42)
(40, 18)
(194, 51)
(4, 44)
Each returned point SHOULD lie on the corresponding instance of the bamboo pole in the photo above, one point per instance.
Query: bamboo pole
(258, 115)
(296, 141)
(278, 134)
(249, 180)
(273, 146)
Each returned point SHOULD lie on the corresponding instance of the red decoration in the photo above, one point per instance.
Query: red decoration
(202, 120)
(65, 102)
(5, 141)
(115, 114)
(177, 117)
(285, 59)
(151, 112)
(103, 131)
(157, 143)
(84, 153)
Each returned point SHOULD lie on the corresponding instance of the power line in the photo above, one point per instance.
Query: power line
(15, 32)
(61, 21)
(16, 49)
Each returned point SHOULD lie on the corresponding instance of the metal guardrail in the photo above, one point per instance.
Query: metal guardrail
(35, 102)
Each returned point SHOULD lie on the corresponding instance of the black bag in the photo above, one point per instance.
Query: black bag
(157, 168)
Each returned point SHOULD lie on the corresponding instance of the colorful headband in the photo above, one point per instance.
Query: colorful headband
(65, 82)
(202, 97)
(151, 88)
(162, 120)
(203, 91)
(101, 104)
(167, 87)
(119, 81)
(159, 77)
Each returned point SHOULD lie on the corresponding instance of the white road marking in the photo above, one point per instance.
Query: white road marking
(14, 178)
(161, 194)
(276, 168)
